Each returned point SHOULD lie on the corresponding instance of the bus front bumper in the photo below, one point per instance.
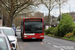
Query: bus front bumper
(34, 37)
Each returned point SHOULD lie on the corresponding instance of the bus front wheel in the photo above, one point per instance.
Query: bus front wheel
(22, 38)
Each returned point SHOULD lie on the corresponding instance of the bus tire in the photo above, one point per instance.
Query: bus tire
(22, 38)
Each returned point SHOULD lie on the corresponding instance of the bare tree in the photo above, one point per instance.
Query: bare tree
(1, 15)
(50, 4)
(60, 2)
(14, 7)
(17, 21)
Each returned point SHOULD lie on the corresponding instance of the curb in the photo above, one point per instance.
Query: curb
(60, 38)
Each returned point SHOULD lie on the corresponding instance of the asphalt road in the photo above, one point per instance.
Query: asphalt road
(48, 43)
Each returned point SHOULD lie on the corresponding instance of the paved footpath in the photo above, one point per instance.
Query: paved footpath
(17, 46)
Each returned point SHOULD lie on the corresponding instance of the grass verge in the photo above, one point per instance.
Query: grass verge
(70, 38)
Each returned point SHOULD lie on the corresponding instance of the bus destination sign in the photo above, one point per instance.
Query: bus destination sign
(33, 20)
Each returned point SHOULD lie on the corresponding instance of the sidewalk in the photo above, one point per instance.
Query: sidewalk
(17, 46)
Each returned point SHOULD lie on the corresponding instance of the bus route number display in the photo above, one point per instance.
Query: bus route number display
(33, 20)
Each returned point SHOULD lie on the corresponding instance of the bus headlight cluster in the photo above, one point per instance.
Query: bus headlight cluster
(25, 36)
(41, 36)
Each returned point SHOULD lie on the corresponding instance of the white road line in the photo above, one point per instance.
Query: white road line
(55, 46)
(49, 43)
(44, 41)
(58, 47)
(62, 49)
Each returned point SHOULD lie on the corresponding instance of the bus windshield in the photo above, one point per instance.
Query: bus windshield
(33, 27)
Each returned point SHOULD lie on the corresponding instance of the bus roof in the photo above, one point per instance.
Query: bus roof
(32, 18)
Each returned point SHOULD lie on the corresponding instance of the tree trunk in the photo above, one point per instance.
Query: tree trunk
(49, 18)
(60, 10)
(9, 22)
(49, 15)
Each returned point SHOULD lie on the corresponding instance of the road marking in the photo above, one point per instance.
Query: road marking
(49, 43)
(44, 41)
(58, 47)
(62, 49)
(55, 46)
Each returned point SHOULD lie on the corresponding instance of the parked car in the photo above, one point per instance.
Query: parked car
(11, 35)
(4, 42)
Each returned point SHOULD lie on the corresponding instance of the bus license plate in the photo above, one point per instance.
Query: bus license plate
(33, 38)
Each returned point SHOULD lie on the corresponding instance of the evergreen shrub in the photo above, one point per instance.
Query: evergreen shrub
(65, 25)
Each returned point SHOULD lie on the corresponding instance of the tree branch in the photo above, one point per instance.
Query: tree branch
(52, 7)
(27, 4)
(5, 5)
(15, 9)
(19, 6)
(21, 9)
(20, 14)
(44, 3)
(22, 4)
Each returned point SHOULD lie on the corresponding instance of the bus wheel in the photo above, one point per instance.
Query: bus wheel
(22, 38)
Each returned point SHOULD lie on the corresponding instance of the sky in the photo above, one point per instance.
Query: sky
(68, 7)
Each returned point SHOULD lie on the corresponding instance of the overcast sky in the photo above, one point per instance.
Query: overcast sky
(69, 7)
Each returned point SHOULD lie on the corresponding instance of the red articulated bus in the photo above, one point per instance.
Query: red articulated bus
(32, 28)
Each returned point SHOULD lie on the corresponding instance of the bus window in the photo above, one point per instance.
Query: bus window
(33, 27)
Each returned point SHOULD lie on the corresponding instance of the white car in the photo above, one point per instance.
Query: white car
(4, 43)
(11, 35)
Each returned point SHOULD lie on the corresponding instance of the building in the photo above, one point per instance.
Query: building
(39, 14)
(73, 15)
(54, 21)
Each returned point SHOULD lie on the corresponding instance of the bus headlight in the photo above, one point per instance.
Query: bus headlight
(25, 36)
(41, 36)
